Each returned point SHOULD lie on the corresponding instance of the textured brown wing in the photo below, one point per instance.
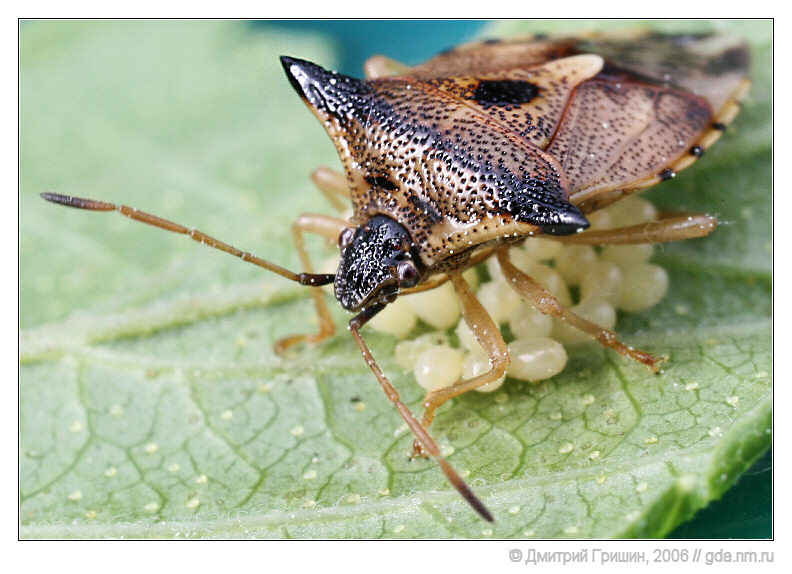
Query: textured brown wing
(527, 101)
(494, 56)
(616, 134)
(708, 65)
(652, 109)
(658, 103)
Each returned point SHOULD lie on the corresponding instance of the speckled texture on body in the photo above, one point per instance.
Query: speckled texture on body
(499, 140)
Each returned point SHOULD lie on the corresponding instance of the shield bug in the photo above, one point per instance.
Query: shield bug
(459, 159)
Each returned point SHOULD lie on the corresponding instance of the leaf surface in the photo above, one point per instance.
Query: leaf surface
(152, 404)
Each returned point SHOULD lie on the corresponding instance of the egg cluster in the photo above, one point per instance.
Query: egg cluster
(593, 282)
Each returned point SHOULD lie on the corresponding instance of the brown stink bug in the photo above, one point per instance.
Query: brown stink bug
(457, 160)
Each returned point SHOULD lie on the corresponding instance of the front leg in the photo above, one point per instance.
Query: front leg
(331, 228)
(488, 336)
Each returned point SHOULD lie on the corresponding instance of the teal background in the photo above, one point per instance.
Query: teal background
(408, 41)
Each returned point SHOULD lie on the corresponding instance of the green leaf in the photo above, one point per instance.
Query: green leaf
(153, 405)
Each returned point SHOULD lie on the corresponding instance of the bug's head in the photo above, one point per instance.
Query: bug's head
(378, 259)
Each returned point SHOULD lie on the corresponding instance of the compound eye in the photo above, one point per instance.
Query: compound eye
(346, 237)
(407, 273)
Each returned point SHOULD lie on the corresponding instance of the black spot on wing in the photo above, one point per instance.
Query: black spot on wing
(505, 93)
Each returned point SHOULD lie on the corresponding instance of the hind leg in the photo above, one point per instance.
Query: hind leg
(660, 231)
(381, 66)
(334, 187)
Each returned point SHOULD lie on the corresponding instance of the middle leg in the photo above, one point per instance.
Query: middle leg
(544, 302)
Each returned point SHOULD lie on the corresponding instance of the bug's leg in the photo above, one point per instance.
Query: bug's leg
(334, 187)
(310, 279)
(421, 435)
(438, 280)
(331, 228)
(381, 66)
(544, 302)
(660, 231)
(428, 285)
(488, 336)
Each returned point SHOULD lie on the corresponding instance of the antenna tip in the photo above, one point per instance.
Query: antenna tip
(77, 202)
